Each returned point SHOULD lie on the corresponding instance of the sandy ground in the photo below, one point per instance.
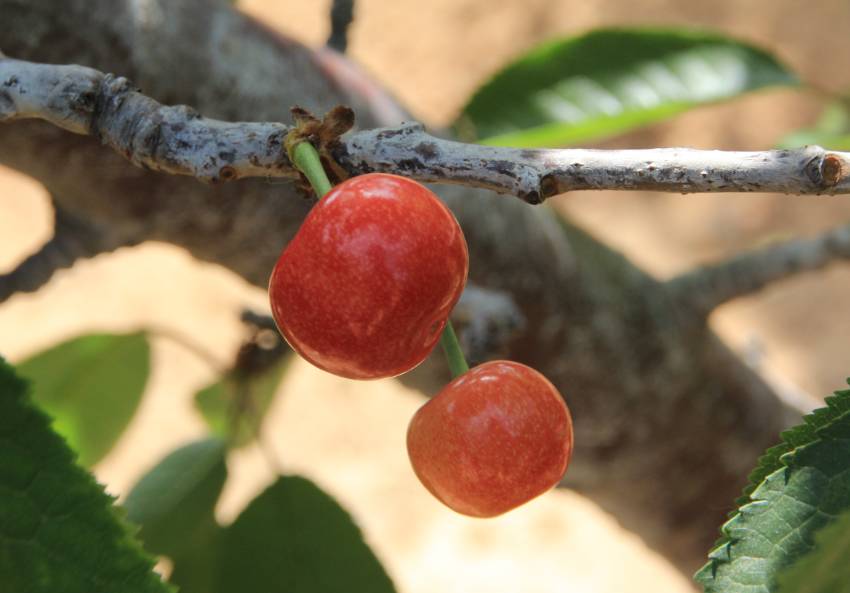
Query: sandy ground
(349, 437)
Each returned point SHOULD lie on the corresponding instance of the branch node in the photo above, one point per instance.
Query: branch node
(549, 187)
(830, 170)
(323, 134)
(110, 89)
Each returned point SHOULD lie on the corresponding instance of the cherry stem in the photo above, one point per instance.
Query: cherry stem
(306, 159)
(451, 347)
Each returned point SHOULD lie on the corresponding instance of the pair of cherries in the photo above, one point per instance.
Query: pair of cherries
(364, 291)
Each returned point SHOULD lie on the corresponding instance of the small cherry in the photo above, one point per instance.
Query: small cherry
(492, 439)
(365, 287)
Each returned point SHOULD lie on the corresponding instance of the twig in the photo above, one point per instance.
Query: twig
(178, 140)
(342, 13)
(707, 288)
(212, 360)
(72, 239)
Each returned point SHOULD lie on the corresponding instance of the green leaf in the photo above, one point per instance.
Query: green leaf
(832, 130)
(234, 407)
(91, 386)
(58, 529)
(612, 80)
(800, 435)
(825, 569)
(174, 501)
(294, 537)
(803, 484)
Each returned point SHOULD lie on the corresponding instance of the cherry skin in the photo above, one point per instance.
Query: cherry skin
(492, 439)
(365, 287)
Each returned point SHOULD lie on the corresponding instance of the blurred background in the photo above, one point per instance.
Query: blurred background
(349, 436)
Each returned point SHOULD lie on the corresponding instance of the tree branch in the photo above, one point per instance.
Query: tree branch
(178, 140)
(708, 287)
(72, 239)
(342, 13)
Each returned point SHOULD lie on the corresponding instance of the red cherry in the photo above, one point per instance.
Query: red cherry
(492, 439)
(366, 286)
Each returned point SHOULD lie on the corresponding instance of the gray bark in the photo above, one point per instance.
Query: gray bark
(668, 420)
(179, 141)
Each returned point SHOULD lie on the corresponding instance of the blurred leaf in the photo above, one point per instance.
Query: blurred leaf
(91, 386)
(234, 407)
(806, 137)
(175, 499)
(831, 131)
(196, 570)
(294, 537)
(803, 485)
(612, 80)
(825, 569)
(59, 531)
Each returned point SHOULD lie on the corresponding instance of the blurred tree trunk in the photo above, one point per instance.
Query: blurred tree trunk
(668, 420)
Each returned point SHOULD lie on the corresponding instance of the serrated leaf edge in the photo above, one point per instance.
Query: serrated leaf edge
(837, 407)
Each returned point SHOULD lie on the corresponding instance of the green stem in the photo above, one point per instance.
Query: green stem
(454, 355)
(306, 159)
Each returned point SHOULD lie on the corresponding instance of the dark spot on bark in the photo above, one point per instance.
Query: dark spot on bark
(274, 141)
(533, 198)
(408, 165)
(339, 152)
(227, 156)
(227, 173)
(5, 101)
(11, 81)
(549, 187)
(254, 160)
(178, 127)
(427, 150)
(502, 166)
(85, 102)
(387, 134)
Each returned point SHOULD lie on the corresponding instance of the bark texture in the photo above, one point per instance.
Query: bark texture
(179, 141)
(668, 421)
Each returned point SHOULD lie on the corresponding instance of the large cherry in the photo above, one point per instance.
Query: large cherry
(492, 439)
(365, 287)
